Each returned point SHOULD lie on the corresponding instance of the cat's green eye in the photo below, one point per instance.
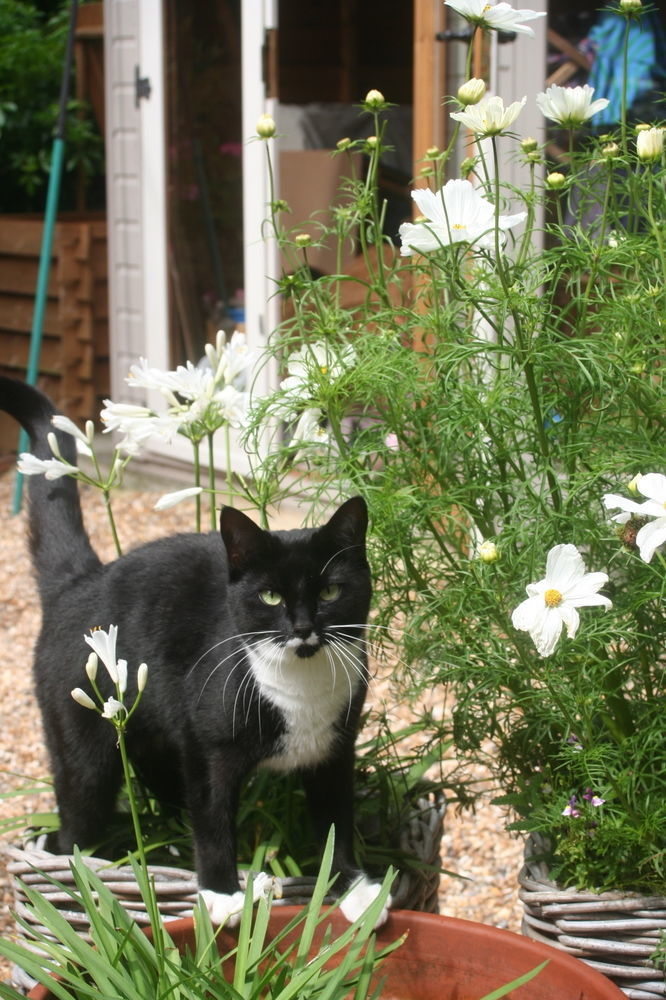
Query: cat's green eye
(270, 597)
(330, 593)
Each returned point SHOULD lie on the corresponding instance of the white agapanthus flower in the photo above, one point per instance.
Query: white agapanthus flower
(489, 116)
(553, 602)
(495, 16)
(103, 644)
(569, 106)
(51, 468)
(83, 440)
(112, 708)
(457, 213)
(653, 534)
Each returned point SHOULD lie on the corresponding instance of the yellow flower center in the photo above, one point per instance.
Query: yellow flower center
(323, 369)
(487, 7)
(553, 598)
(458, 225)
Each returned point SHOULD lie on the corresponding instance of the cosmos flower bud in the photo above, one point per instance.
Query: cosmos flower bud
(303, 240)
(488, 552)
(610, 150)
(265, 127)
(529, 145)
(79, 695)
(343, 144)
(633, 485)
(371, 141)
(374, 100)
(471, 92)
(650, 144)
(555, 181)
(630, 6)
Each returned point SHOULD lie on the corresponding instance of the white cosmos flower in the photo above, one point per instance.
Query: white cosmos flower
(569, 106)
(308, 368)
(489, 116)
(653, 534)
(457, 213)
(495, 16)
(552, 602)
(104, 645)
(51, 468)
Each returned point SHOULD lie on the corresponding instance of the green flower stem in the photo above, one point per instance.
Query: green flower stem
(230, 471)
(211, 474)
(623, 91)
(197, 482)
(527, 366)
(657, 229)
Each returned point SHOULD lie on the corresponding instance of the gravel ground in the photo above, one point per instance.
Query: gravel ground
(475, 847)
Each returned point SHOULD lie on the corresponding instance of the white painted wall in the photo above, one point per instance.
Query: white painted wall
(125, 207)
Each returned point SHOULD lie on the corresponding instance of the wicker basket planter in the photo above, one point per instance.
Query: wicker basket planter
(614, 932)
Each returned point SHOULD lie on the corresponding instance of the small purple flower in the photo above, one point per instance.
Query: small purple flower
(570, 809)
(594, 800)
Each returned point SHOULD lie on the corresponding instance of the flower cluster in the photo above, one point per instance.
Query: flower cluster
(487, 383)
(112, 707)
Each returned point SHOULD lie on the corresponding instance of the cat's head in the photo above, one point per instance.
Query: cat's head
(303, 588)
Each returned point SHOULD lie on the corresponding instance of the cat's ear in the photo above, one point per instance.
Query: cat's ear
(243, 539)
(349, 523)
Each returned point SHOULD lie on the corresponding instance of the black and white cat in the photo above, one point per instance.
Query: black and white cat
(254, 642)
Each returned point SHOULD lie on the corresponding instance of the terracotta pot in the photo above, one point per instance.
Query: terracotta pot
(447, 959)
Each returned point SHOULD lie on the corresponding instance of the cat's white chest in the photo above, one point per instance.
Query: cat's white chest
(311, 694)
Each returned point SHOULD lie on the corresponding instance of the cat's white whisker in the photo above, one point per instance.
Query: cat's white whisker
(216, 645)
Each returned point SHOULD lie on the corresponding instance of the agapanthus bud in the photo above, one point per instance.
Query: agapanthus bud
(374, 100)
(471, 92)
(53, 444)
(79, 695)
(555, 181)
(650, 144)
(265, 127)
(141, 676)
(91, 667)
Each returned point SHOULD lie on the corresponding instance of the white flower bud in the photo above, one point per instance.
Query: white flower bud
(266, 127)
(79, 695)
(141, 676)
(471, 92)
(112, 708)
(488, 552)
(91, 667)
(374, 99)
(650, 144)
(53, 444)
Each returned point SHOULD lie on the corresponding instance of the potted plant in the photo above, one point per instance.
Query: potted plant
(305, 951)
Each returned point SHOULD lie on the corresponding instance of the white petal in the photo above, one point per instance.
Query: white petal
(586, 586)
(613, 500)
(564, 566)
(547, 631)
(653, 486)
(650, 537)
(528, 614)
(570, 617)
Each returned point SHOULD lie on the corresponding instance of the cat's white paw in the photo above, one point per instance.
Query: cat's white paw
(223, 907)
(226, 908)
(356, 902)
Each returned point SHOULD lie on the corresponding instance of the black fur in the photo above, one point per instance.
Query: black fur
(187, 606)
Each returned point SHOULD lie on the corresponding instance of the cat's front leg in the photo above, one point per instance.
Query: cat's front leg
(330, 793)
(213, 793)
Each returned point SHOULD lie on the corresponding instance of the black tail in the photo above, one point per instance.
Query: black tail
(59, 544)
